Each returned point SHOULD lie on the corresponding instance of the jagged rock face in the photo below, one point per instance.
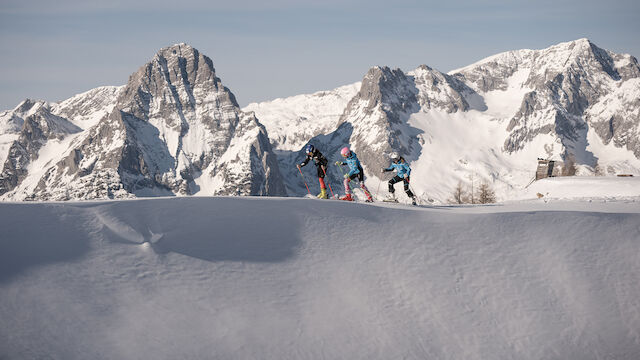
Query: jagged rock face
(87, 109)
(181, 121)
(614, 117)
(37, 128)
(173, 129)
(256, 174)
(492, 73)
(11, 121)
(378, 115)
(440, 91)
(568, 84)
(168, 133)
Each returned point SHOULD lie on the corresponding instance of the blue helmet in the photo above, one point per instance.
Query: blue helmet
(309, 149)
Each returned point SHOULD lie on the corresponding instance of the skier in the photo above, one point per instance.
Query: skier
(402, 174)
(355, 172)
(321, 165)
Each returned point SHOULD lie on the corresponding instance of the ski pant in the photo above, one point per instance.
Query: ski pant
(397, 179)
(321, 173)
(320, 170)
(360, 177)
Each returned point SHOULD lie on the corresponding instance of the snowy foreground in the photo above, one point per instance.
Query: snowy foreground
(276, 278)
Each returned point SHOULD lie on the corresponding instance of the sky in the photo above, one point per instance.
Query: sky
(262, 50)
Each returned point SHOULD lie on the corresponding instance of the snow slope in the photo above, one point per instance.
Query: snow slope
(285, 278)
(293, 121)
(598, 188)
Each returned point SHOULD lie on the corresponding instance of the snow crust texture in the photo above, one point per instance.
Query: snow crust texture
(278, 278)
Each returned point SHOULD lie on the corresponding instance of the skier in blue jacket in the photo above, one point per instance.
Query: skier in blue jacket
(355, 172)
(402, 174)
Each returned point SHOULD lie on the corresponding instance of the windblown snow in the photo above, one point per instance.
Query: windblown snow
(280, 278)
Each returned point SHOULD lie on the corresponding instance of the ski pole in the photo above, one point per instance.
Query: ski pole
(342, 172)
(328, 182)
(305, 183)
(409, 186)
(378, 189)
(415, 194)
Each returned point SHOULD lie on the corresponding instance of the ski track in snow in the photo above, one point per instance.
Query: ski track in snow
(301, 278)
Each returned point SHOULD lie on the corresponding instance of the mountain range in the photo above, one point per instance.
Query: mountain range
(175, 129)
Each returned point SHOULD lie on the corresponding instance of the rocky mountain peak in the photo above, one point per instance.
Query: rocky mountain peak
(386, 90)
(437, 90)
(29, 107)
(381, 85)
(171, 78)
(172, 129)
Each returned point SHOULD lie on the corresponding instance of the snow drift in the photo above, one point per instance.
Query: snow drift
(298, 278)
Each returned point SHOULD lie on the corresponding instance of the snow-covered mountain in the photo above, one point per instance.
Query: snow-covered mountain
(294, 120)
(173, 129)
(487, 122)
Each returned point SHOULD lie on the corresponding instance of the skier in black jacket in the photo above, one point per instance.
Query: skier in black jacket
(321, 165)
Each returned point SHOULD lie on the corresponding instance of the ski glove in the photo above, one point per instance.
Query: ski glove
(382, 170)
(346, 176)
(338, 163)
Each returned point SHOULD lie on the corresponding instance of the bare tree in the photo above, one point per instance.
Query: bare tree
(485, 194)
(459, 195)
(472, 193)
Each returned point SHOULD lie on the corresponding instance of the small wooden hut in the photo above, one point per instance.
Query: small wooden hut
(548, 168)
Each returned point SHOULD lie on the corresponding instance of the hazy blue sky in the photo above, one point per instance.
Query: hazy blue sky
(261, 49)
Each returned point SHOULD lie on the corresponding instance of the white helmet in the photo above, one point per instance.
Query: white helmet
(394, 156)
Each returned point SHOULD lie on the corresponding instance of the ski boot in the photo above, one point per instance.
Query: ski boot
(391, 198)
(369, 198)
(323, 194)
(413, 201)
(347, 198)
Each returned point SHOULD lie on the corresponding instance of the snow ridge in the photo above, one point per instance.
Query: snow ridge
(319, 279)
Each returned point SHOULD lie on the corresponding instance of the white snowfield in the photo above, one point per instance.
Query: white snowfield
(584, 188)
(292, 278)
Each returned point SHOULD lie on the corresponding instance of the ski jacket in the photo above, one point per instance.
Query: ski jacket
(317, 157)
(401, 167)
(354, 164)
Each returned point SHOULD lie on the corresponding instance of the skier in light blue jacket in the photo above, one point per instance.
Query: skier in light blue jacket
(402, 174)
(355, 172)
